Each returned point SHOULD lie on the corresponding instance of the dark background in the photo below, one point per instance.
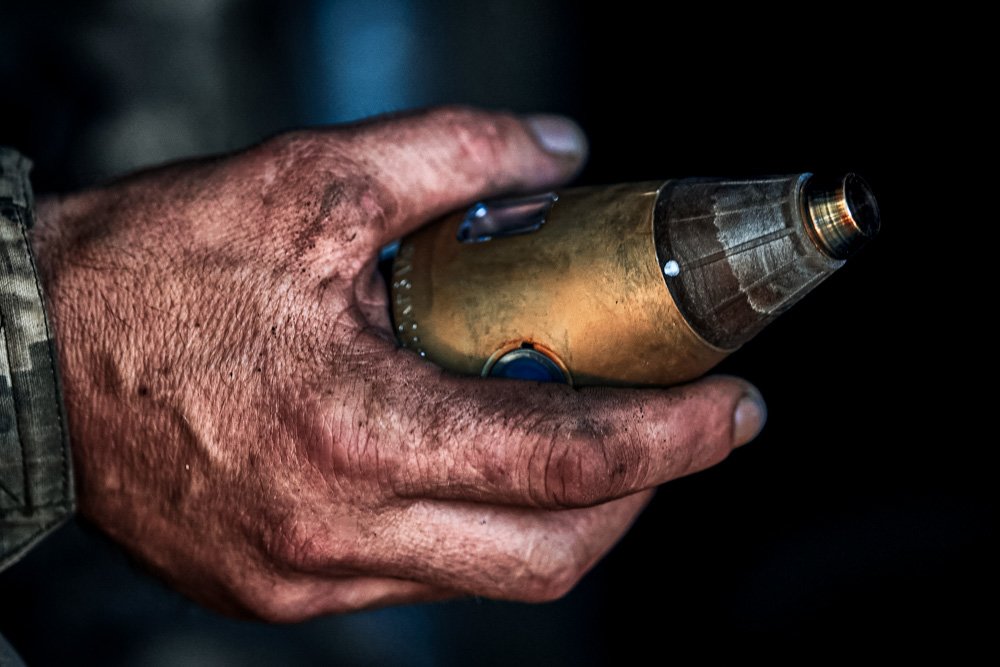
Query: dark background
(860, 521)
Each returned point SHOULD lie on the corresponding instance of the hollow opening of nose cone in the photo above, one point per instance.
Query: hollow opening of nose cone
(843, 214)
(861, 205)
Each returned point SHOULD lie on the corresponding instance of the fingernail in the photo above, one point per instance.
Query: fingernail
(749, 418)
(557, 134)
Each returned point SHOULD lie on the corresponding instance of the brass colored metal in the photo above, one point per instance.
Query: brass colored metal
(585, 288)
(641, 284)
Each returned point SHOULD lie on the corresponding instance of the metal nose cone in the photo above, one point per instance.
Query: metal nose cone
(843, 214)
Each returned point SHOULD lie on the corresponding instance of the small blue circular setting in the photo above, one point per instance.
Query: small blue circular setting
(527, 364)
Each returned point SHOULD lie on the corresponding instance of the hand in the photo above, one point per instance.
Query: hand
(243, 421)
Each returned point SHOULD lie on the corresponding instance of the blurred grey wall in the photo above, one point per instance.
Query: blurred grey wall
(120, 84)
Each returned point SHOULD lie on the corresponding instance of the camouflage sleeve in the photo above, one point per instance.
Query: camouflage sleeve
(36, 482)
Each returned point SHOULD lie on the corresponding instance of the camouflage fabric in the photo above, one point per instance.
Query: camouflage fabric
(36, 481)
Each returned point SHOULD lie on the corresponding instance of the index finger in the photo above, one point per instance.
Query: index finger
(541, 445)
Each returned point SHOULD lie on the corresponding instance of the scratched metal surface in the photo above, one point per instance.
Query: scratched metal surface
(743, 253)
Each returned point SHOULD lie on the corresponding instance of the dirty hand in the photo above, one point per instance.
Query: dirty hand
(243, 421)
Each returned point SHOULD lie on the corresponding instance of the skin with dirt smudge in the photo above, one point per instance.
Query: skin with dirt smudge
(244, 422)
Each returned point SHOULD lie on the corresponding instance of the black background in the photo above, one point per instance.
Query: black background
(861, 520)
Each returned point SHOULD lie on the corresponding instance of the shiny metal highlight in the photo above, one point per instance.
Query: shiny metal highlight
(843, 213)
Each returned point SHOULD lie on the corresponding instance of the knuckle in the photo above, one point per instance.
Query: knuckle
(281, 150)
(274, 602)
(582, 468)
(550, 572)
(296, 545)
(277, 609)
(355, 451)
(554, 587)
(291, 143)
(456, 115)
(481, 138)
(353, 209)
(257, 590)
(376, 204)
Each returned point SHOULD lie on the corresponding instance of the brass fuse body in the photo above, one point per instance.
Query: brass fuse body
(638, 284)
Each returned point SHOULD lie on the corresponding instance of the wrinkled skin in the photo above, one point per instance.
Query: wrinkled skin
(243, 421)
